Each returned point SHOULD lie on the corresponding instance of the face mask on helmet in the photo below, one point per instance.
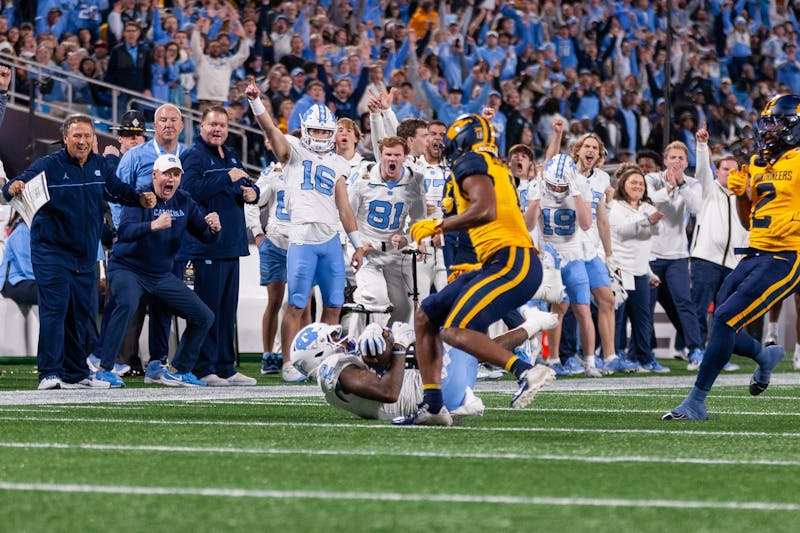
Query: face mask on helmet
(318, 117)
(555, 175)
(779, 124)
(313, 344)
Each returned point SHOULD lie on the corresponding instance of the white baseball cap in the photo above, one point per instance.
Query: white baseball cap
(167, 162)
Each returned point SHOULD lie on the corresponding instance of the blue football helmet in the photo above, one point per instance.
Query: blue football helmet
(469, 133)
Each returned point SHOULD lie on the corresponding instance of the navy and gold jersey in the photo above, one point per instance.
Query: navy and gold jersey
(508, 228)
(776, 194)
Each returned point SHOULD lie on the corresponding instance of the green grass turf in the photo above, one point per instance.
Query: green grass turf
(275, 444)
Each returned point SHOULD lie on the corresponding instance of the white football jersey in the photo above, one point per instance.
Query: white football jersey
(522, 191)
(434, 176)
(559, 224)
(310, 199)
(273, 192)
(358, 166)
(328, 380)
(382, 208)
(598, 182)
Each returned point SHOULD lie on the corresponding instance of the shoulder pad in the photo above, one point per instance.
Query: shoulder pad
(469, 165)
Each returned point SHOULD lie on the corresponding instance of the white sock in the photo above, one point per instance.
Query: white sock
(772, 329)
(610, 358)
(797, 349)
(589, 361)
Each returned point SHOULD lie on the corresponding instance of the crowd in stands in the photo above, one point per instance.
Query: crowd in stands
(540, 69)
(599, 65)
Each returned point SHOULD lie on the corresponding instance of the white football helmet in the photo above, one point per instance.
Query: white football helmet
(313, 344)
(318, 117)
(557, 174)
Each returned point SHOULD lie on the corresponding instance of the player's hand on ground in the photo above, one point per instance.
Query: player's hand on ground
(425, 228)
(147, 200)
(738, 181)
(212, 219)
(786, 225)
(163, 221)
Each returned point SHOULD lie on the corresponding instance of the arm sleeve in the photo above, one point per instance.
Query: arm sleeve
(196, 224)
(115, 188)
(132, 224)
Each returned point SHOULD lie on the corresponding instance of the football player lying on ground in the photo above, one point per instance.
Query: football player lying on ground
(371, 381)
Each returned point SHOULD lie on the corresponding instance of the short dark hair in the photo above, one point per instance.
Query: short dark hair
(75, 119)
(408, 127)
(213, 109)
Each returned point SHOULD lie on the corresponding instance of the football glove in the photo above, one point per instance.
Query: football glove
(425, 228)
(786, 225)
(552, 288)
(737, 181)
(403, 334)
(461, 268)
(371, 342)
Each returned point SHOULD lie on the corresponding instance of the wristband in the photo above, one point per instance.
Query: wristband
(356, 239)
(257, 106)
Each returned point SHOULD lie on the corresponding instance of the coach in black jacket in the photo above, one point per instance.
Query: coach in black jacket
(215, 177)
(129, 64)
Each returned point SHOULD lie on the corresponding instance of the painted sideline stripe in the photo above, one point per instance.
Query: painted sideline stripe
(389, 453)
(395, 497)
(368, 425)
(115, 407)
(638, 411)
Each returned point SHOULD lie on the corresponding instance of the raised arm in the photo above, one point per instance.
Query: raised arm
(280, 145)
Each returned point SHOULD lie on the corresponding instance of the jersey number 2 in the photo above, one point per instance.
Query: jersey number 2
(768, 190)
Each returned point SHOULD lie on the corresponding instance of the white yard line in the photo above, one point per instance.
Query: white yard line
(394, 453)
(398, 497)
(289, 392)
(688, 431)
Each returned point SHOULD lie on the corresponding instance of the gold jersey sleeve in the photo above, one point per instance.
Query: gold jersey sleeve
(508, 228)
(775, 194)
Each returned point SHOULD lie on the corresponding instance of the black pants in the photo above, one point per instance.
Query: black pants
(24, 292)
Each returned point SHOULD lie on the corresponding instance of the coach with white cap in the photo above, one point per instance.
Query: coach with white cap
(141, 265)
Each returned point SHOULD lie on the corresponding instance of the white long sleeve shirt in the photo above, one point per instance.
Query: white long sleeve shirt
(632, 236)
(718, 230)
(671, 241)
(214, 74)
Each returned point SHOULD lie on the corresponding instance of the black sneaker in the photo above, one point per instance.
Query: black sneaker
(269, 365)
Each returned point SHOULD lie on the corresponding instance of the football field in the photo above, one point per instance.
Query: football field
(587, 455)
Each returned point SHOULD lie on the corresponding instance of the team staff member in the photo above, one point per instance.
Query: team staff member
(216, 180)
(64, 238)
(136, 168)
(141, 264)
(487, 206)
(769, 271)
